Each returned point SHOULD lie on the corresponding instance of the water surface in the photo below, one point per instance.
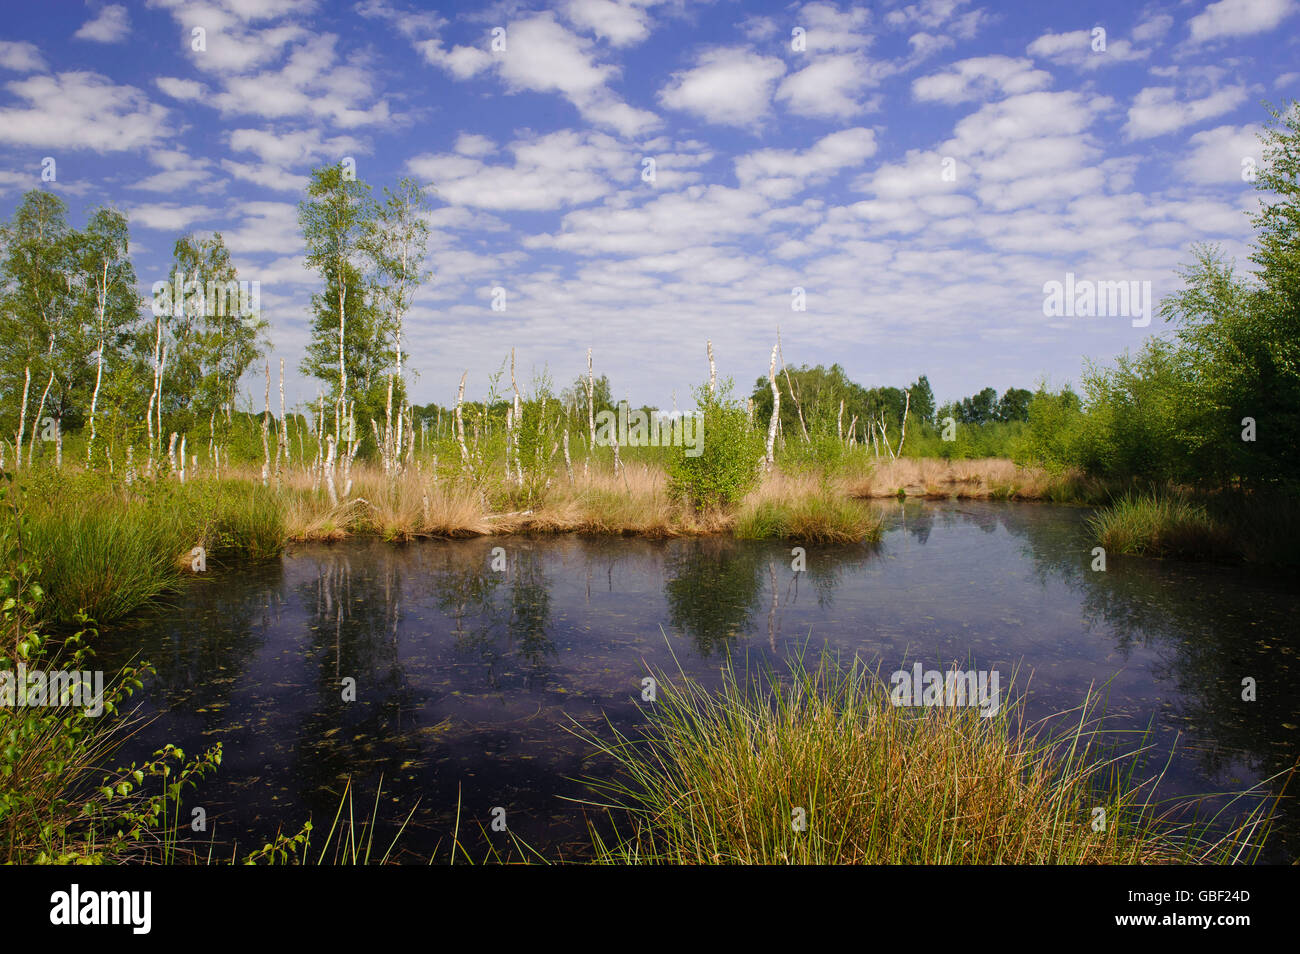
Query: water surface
(473, 684)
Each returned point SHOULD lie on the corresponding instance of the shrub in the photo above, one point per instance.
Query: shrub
(726, 467)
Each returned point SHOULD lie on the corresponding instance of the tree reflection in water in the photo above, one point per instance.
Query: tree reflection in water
(468, 677)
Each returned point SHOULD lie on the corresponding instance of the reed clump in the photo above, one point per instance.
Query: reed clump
(106, 548)
(1160, 525)
(807, 510)
(819, 767)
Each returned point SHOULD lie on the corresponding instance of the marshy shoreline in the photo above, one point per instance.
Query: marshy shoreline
(106, 548)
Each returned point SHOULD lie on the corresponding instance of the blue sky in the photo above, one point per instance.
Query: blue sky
(774, 167)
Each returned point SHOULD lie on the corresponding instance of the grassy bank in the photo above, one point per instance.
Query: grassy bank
(726, 777)
(105, 549)
(1249, 529)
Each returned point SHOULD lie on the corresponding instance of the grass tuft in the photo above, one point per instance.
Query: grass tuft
(720, 778)
(1160, 525)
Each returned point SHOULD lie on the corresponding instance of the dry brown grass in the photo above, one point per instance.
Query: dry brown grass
(635, 502)
(987, 478)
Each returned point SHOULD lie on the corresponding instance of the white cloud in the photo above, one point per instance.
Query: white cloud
(283, 148)
(830, 30)
(266, 174)
(1229, 18)
(1157, 110)
(925, 45)
(542, 56)
(20, 57)
(1215, 156)
(757, 29)
(830, 87)
(936, 14)
(179, 171)
(1153, 29)
(168, 216)
(549, 172)
(110, 26)
(781, 173)
(232, 46)
(674, 223)
(980, 78)
(472, 144)
(919, 173)
(265, 227)
(182, 89)
(17, 181)
(730, 86)
(315, 82)
(622, 24)
(79, 110)
(1076, 49)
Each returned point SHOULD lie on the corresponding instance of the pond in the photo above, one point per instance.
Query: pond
(474, 684)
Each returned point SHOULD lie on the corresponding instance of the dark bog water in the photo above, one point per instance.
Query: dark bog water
(469, 680)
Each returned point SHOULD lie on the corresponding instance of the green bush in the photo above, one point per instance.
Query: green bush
(1052, 434)
(726, 467)
(823, 453)
(59, 802)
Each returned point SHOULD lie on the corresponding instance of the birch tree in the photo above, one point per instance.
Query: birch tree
(337, 219)
(398, 244)
(110, 298)
(36, 277)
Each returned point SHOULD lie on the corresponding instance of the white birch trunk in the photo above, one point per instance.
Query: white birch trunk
(776, 410)
(22, 420)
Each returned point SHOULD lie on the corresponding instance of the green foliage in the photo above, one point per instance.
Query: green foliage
(987, 408)
(1141, 420)
(1179, 410)
(1055, 419)
(822, 453)
(970, 441)
(67, 296)
(730, 450)
(819, 392)
(211, 343)
(105, 550)
(57, 803)
(369, 256)
(923, 405)
(535, 442)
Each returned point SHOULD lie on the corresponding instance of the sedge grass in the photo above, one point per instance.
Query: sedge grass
(1159, 525)
(105, 550)
(823, 518)
(723, 777)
